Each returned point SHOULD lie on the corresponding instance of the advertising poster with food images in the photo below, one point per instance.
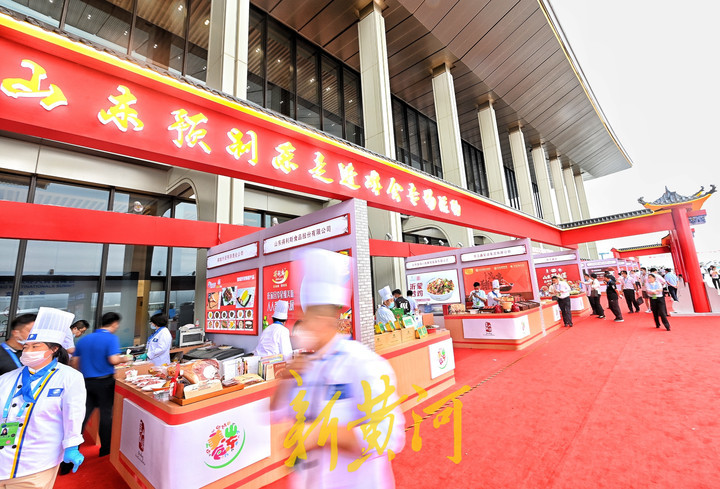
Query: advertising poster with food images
(231, 303)
(571, 273)
(440, 287)
(282, 282)
(514, 278)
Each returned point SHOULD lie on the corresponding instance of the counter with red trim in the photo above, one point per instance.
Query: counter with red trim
(580, 305)
(508, 331)
(222, 442)
(428, 363)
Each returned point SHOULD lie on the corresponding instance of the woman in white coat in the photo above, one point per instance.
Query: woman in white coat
(43, 408)
(159, 343)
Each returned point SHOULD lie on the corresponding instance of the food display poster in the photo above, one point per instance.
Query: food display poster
(283, 282)
(231, 303)
(441, 287)
(570, 273)
(514, 278)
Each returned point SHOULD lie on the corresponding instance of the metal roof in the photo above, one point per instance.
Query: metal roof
(598, 220)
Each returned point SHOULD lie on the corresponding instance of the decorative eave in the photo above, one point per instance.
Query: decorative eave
(672, 199)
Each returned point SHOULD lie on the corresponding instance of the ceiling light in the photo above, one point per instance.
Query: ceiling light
(207, 21)
(312, 80)
(155, 46)
(350, 101)
(279, 60)
(257, 50)
(89, 16)
(125, 33)
(180, 7)
(204, 68)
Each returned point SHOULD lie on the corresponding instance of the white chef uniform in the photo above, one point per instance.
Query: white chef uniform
(275, 339)
(384, 314)
(158, 346)
(54, 421)
(493, 297)
(341, 366)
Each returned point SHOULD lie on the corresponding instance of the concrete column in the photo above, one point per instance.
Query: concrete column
(227, 71)
(379, 134)
(569, 179)
(559, 186)
(375, 81)
(448, 125)
(492, 153)
(585, 213)
(543, 182)
(522, 170)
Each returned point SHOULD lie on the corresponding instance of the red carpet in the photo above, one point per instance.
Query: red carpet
(603, 404)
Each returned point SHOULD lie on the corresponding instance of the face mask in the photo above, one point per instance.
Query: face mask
(33, 358)
(153, 327)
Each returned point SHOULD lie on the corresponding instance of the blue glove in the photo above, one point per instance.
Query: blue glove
(142, 357)
(73, 456)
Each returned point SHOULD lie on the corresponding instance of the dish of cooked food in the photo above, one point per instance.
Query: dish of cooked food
(213, 300)
(440, 286)
(228, 296)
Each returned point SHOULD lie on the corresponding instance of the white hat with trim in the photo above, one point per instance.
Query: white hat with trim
(281, 310)
(51, 326)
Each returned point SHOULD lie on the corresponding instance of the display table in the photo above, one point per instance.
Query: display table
(428, 363)
(580, 305)
(226, 441)
(508, 331)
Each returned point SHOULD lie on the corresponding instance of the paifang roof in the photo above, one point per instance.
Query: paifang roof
(505, 50)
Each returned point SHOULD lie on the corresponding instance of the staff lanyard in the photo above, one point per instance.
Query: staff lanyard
(12, 354)
(43, 374)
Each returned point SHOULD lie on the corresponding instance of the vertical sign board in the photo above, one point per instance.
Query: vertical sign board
(231, 306)
(442, 358)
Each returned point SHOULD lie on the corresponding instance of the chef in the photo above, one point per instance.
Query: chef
(275, 339)
(159, 343)
(493, 297)
(43, 408)
(343, 370)
(384, 314)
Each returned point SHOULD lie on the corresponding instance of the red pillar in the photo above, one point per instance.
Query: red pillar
(688, 254)
(678, 259)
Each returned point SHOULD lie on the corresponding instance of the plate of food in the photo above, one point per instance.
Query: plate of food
(231, 325)
(223, 314)
(241, 314)
(210, 315)
(228, 296)
(213, 300)
(248, 314)
(248, 325)
(231, 314)
(245, 297)
(216, 315)
(440, 289)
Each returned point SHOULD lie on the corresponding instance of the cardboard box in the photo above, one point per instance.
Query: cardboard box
(428, 319)
(382, 340)
(395, 338)
(408, 334)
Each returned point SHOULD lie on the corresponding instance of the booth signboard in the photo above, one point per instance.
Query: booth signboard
(514, 278)
(231, 303)
(441, 287)
(570, 272)
(489, 327)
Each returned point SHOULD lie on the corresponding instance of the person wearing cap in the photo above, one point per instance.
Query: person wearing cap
(159, 343)
(344, 370)
(43, 408)
(384, 314)
(12, 348)
(96, 356)
(275, 339)
(493, 297)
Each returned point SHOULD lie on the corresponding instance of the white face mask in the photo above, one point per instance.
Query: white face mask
(153, 327)
(34, 358)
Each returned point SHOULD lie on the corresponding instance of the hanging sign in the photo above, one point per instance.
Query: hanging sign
(332, 228)
(233, 256)
(430, 262)
(554, 259)
(496, 253)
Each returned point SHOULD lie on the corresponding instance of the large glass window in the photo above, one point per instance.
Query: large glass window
(66, 195)
(149, 205)
(297, 79)
(475, 169)
(8, 261)
(416, 139)
(263, 219)
(171, 34)
(14, 188)
(513, 193)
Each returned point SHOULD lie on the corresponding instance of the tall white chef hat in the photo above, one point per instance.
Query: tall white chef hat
(496, 284)
(281, 310)
(51, 326)
(326, 278)
(385, 293)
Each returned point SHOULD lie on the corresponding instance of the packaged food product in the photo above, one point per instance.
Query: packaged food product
(201, 371)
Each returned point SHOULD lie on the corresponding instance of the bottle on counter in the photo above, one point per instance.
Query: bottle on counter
(265, 322)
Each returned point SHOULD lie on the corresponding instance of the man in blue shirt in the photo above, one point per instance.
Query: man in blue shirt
(672, 283)
(96, 356)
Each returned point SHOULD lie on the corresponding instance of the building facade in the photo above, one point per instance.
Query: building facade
(488, 100)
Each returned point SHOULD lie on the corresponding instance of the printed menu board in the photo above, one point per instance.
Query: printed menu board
(231, 303)
(571, 273)
(440, 287)
(514, 278)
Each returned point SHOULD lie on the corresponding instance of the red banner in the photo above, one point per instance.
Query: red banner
(57, 89)
(231, 303)
(281, 282)
(514, 278)
(571, 273)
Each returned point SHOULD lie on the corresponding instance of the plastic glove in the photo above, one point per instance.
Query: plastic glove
(73, 456)
(142, 357)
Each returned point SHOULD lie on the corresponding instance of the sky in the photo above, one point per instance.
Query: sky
(652, 65)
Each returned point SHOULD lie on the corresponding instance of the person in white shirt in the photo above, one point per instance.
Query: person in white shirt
(562, 292)
(159, 343)
(411, 300)
(595, 292)
(672, 283)
(628, 288)
(657, 301)
(643, 286)
(275, 339)
(43, 408)
(384, 314)
(365, 434)
(493, 297)
(478, 296)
